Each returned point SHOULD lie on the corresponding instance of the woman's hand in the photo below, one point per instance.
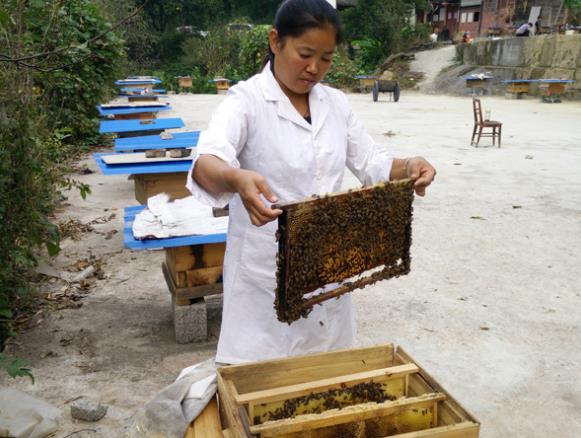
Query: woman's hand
(250, 185)
(418, 169)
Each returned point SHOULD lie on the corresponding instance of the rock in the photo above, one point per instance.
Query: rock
(87, 410)
(387, 75)
(179, 153)
(84, 274)
(155, 153)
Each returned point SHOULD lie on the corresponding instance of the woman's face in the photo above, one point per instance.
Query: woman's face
(301, 62)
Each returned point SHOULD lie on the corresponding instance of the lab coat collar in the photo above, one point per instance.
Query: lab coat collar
(318, 102)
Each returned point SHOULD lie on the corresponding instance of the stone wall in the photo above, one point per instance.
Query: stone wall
(538, 57)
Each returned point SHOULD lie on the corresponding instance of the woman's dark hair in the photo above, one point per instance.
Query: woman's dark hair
(295, 17)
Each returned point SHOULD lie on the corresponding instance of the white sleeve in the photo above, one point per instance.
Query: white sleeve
(368, 161)
(225, 137)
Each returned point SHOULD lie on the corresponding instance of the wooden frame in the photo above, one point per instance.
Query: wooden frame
(385, 243)
(422, 409)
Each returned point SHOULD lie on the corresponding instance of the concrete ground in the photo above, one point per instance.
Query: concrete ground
(491, 308)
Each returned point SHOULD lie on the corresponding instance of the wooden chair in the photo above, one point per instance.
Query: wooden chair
(480, 125)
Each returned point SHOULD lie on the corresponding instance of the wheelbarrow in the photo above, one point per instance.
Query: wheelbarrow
(385, 86)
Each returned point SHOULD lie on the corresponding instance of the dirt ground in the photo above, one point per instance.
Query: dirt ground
(491, 307)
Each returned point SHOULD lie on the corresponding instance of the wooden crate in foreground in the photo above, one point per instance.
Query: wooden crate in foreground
(361, 393)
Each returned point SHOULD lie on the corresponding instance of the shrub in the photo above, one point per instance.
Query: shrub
(342, 71)
(253, 50)
(54, 72)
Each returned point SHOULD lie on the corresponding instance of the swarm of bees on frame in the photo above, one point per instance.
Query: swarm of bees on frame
(328, 240)
(338, 398)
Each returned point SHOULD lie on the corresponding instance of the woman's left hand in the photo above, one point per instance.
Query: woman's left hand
(418, 169)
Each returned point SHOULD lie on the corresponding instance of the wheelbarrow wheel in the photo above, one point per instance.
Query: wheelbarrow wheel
(396, 93)
(375, 91)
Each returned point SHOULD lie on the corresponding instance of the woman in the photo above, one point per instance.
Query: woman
(283, 136)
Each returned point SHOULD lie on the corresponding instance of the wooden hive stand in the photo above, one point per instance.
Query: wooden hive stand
(193, 273)
(372, 392)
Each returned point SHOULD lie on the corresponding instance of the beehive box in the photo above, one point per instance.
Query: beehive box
(195, 265)
(359, 393)
(151, 184)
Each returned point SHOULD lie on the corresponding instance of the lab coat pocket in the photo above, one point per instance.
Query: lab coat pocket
(257, 265)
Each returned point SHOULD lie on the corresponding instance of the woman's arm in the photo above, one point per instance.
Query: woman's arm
(416, 168)
(215, 176)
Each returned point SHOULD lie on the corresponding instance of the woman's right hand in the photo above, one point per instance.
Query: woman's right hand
(250, 185)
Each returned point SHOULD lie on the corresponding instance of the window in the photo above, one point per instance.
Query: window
(463, 19)
(476, 16)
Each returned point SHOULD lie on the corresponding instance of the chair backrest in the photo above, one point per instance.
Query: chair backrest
(477, 108)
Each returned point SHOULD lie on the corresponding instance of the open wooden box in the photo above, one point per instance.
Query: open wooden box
(327, 396)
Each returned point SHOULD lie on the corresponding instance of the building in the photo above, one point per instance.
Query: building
(451, 18)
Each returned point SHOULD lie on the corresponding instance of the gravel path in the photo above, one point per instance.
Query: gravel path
(431, 63)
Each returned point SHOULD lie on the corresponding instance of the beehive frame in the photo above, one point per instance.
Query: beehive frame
(335, 238)
(417, 405)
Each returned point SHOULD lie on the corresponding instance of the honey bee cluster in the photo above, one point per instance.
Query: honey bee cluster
(339, 398)
(334, 238)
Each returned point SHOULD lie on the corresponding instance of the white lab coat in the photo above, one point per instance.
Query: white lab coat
(256, 127)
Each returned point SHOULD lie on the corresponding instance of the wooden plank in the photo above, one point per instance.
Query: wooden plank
(299, 369)
(455, 409)
(139, 157)
(261, 412)
(461, 430)
(346, 415)
(207, 424)
(306, 388)
(228, 409)
(447, 415)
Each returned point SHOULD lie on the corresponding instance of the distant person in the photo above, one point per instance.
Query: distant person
(466, 37)
(538, 25)
(524, 30)
(434, 37)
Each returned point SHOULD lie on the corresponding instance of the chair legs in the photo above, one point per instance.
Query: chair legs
(477, 134)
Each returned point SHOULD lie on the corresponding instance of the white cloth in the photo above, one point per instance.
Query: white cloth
(523, 28)
(170, 411)
(182, 217)
(256, 127)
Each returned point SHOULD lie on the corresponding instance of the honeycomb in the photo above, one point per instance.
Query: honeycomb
(332, 239)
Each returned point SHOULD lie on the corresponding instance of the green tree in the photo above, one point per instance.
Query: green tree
(380, 20)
